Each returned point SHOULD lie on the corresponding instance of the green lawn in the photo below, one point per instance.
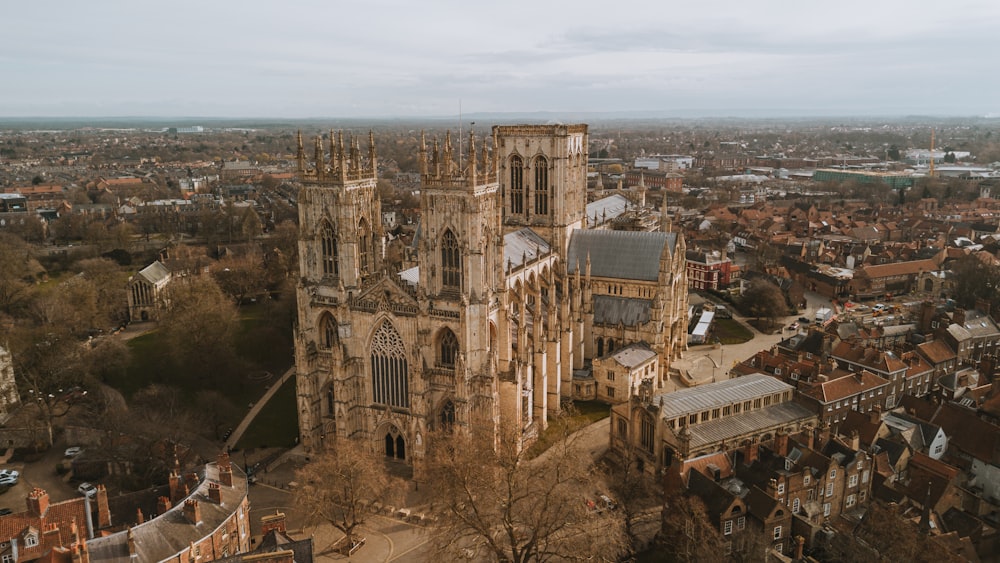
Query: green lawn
(731, 331)
(276, 424)
(584, 413)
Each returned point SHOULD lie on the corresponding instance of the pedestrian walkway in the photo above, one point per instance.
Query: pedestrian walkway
(245, 423)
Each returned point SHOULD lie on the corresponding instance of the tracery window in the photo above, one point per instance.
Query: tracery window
(448, 348)
(390, 376)
(327, 331)
(451, 261)
(646, 434)
(541, 186)
(516, 185)
(329, 251)
(448, 415)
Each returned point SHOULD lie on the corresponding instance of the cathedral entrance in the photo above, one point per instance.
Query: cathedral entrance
(395, 444)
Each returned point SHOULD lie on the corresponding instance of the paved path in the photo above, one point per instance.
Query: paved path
(245, 423)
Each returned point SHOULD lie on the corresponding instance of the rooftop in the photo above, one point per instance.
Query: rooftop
(712, 395)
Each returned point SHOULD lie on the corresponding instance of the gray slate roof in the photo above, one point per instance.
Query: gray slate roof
(610, 310)
(715, 395)
(170, 533)
(730, 427)
(523, 244)
(606, 208)
(155, 273)
(633, 355)
(632, 255)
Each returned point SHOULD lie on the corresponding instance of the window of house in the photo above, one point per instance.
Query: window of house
(781, 488)
(693, 419)
(715, 414)
(829, 489)
(726, 411)
(826, 509)
(756, 403)
(796, 505)
(30, 540)
(938, 448)
(767, 401)
(864, 476)
(611, 376)
(810, 494)
(852, 481)
(833, 473)
(8, 558)
(736, 408)
(727, 528)
(704, 416)
(777, 532)
(741, 522)
(746, 405)
(611, 392)
(851, 500)
(622, 428)
(806, 479)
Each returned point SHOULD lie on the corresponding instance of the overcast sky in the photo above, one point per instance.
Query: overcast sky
(407, 58)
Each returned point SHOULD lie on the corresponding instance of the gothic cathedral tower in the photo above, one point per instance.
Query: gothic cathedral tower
(543, 179)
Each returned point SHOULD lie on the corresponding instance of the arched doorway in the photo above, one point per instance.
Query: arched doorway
(395, 444)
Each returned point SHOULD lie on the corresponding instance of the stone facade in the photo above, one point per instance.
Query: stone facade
(487, 330)
(9, 399)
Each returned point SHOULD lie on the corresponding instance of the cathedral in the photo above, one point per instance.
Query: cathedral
(512, 298)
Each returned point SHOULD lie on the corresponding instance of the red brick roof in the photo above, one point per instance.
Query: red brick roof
(59, 514)
(899, 268)
(846, 387)
(936, 351)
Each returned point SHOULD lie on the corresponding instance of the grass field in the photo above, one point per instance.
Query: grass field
(584, 413)
(731, 331)
(276, 425)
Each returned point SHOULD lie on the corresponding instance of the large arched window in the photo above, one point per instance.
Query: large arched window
(327, 331)
(516, 185)
(329, 249)
(447, 416)
(447, 349)
(451, 261)
(541, 186)
(364, 246)
(390, 377)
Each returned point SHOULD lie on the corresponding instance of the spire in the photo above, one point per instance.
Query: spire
(300, 153)
(496, 154)
(472, 159)
(372, 155)
(333, 151)
(318, 157)
(423, 154)
(436, 160)
(341, 157)
(447, 153)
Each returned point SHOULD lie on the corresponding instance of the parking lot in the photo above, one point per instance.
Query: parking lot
(39, 473)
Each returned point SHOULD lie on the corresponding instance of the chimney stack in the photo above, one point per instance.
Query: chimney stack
(175, 487)
(225, 466)
(192, 511)
(191, 480)
(781, 444)
(132, 552)
(215, 493)
(103, 509)
(163, 504)
(799, 544)
(139, 518)
(38, 502)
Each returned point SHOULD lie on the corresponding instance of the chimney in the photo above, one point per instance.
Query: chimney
(139, 518)
(38, 502)
(781, 444)
(214, 493)
(772, 486)
(175, 487)
(103, 510)
(163, 504)
(132, 552)
(225, 470)
(958, 317)
(875, 415)
(50, 536)
(274, 522)
(80, 553)
(855, 440)
(191, 480)
(752, 453)
(799, 543)
(192, 511)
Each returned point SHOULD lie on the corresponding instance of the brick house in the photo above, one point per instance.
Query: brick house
(619, 374)
(29, 535)
(832, 399)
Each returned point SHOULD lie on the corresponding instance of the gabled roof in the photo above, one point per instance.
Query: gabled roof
(606, 208)
(155, 273)
(968, 433)
(523, 244)
(845, 387)
(936, 351)
(633, 355)
(633, 255)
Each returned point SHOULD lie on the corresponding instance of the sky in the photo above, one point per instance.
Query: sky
(387, 58)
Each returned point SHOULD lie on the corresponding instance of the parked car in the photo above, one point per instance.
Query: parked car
(5, 511)
(793, 326)
(73, 451)
(9, 474)
(8, 481)
(87, 490)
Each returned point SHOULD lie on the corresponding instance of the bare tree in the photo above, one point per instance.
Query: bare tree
(763, 299)
(200, 324)
(339, 485)
(241, 277)
(492, 501)
(687, 534)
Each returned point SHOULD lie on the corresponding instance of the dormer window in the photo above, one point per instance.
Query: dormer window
(30, 539)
